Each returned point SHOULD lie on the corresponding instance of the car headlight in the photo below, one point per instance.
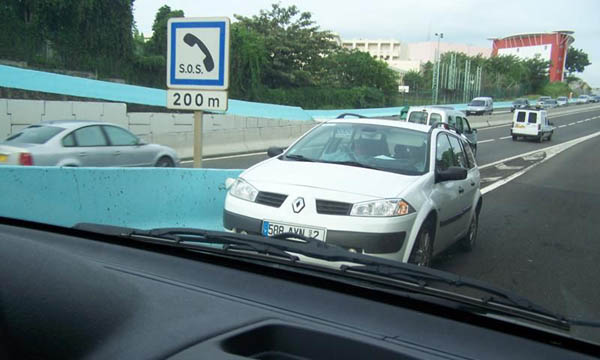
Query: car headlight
(241, 189)
(382, 208)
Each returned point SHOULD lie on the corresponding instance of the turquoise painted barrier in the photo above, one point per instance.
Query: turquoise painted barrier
(32, 80)
(144, 198)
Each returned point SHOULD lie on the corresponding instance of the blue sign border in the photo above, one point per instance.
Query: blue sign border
(210, 24)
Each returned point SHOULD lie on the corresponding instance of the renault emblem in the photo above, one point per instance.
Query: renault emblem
(298, 205)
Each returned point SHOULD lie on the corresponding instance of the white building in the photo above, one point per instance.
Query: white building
(404, 57)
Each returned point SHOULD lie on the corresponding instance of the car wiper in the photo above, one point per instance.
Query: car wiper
(298, 157)
(353, 163)
(423, 277)
(384, 271)
(191, 239)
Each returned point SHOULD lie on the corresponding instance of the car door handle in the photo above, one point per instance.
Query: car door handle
(461, 190)
(82, 154)
(472, 183)
(117, 152)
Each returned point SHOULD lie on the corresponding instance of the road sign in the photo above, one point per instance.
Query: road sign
(198, 53)
(197, 100)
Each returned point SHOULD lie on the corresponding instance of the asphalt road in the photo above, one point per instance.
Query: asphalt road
(539, 236)
(494, 142)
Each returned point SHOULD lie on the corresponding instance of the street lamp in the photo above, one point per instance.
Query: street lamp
(436, 70)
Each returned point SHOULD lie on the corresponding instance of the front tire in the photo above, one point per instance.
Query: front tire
(164, 162)
(422, 251)
(514, 137)
(540, 138)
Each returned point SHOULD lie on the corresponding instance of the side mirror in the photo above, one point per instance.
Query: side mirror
(274, 151)
(141, 142)
(551, 123)
(452, 173)
(474, 131)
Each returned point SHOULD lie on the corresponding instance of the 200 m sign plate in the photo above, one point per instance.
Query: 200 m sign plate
(197, 100)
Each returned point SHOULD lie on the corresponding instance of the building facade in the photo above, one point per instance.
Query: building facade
(551, 46)
(404, 57)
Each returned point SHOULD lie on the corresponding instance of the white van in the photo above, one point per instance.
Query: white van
(532, 124)
(481, 106)
(428, 115)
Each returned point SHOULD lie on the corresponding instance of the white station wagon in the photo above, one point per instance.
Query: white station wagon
(392, 189)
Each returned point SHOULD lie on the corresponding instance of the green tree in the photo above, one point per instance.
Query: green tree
(248, 58)
(537, 73)
(296, 45)
(576, 60)
(157, 45)
(413, 80)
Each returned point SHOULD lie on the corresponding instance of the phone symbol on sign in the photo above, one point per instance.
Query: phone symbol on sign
(192, 40)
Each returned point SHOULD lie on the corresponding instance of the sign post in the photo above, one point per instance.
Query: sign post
(198, 69)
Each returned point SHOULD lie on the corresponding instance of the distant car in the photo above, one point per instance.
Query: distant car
(428, 115)
(82, 143)
(519, 104)
(582, 99)
(481, 106)
(540, 102)
(595, 98)
(562, 101)
(531, 124)
(549, 104)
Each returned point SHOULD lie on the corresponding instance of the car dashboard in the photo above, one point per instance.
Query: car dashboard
(68, 294)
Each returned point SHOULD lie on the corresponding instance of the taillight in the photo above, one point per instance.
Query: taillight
(25, 159)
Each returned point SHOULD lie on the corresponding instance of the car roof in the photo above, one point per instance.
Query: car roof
(72, 124)
(382, 122)
(439, 108)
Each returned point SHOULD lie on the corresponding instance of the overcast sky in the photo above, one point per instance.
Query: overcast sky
(461, 21)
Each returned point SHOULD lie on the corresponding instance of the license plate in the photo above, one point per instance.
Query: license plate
(3, 158)
(519, 126)
(270, 228)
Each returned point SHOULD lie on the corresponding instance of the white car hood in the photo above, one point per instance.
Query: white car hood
(340, 178)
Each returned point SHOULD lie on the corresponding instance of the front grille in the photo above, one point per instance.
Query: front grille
(333, 207)
(270, 199)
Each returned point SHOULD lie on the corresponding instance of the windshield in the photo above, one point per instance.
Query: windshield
(34, 135)
(315, 118)
(386, 148)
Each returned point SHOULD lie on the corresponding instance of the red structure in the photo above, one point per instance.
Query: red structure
(550, 46)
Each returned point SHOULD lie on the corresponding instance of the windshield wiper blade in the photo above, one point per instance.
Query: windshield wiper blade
(388, 271)
(423, 277)
(353, 163)
(298, 157)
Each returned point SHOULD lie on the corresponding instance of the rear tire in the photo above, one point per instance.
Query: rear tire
(164, 162)
(514, 137)
(422, 251)
(550, 136)
(467, 243)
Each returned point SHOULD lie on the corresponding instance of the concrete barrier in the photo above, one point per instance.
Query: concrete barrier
(141, 198)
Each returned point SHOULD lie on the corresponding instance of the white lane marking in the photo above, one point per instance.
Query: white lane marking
(485, 141)
(491, 179)
(571, 124)
(535, 151)
(226, 157)
(562, 126)
(579, 122)
(508, 167)
(550, 153)
(495, 127)
(505, 137)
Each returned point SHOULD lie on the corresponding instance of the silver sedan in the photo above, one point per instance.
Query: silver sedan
(82, 143)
